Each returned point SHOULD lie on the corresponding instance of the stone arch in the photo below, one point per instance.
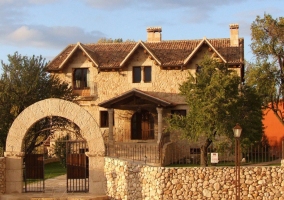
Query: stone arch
(66, 109)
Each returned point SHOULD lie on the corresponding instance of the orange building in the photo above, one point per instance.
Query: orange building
(274, 129)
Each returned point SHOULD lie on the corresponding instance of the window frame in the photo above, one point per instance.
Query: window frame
(147, 77)
(142, 74)
(136, 74)
(82, 78)
(104, 121)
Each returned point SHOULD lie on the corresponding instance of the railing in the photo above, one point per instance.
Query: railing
(168, 153)
(259, 154)
(85, 89)
(144, 152)
(253, 154)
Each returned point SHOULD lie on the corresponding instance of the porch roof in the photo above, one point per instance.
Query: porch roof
(134, 99)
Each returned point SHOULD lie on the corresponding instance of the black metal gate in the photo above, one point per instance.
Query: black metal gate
(77, 166)
(33, 171)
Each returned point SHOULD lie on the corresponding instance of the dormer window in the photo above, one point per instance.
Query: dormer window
(80, 78)
(142, 74)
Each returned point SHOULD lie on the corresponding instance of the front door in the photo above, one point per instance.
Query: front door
(142, 125)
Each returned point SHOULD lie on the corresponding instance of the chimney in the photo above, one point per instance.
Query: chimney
(154, 34)
(234, 35)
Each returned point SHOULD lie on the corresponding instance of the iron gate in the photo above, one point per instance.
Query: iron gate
(77, 166)
(33, 171)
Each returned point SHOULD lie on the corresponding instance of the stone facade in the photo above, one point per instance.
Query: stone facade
(2, 175)
(109, 84)
(105, 85)
(128, 180)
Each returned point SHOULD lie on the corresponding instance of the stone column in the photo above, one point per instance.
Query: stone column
(110, 124)
(14, 172)
(160, 123)
(97, 179)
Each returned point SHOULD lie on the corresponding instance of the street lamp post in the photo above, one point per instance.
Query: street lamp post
(237, 133)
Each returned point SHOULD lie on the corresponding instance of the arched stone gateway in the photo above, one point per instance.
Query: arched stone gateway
(55, 107)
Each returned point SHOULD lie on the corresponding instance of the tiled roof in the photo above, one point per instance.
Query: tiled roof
(169, 53)
(128, 96)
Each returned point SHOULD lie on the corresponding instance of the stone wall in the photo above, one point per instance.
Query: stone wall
(128, 180)
(2, 175)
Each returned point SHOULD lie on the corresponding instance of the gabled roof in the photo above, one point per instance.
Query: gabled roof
(204, 41)
(140, 43)
(70, 51)
(133, 99)
(165, 53)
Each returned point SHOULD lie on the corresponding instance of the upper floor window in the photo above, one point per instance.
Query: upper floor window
(142, 73)
(80, 78)
(136, 74)
(147, 74)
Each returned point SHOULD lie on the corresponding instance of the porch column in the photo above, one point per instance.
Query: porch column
(110, 124)
(160, 123)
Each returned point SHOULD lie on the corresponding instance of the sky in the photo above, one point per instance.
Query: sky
(46, 27)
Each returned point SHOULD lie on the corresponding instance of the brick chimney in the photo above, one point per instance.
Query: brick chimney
(154, 34)
(234, 35)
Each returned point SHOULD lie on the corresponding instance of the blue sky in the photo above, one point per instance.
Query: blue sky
(46, 27)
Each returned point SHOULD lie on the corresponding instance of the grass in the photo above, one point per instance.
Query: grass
(54, 169)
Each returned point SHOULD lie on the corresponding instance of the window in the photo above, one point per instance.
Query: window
(142, 73)
(80, 78)
(179, 112)
(136, 74)
(104, 119)
(198, 68)
(147, 74)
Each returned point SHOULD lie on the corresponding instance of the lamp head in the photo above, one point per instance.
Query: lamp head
(237, 131)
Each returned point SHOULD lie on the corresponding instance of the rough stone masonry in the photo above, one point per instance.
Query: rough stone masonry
(129, 180)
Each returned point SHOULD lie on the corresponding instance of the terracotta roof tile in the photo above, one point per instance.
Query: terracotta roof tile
(56, 62)
(170, 53)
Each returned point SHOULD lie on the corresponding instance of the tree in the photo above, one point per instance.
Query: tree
(109, 40)
(217, 100)
(25, 81)
(267, 74)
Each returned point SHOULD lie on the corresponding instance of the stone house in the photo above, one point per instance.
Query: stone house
(129, 88)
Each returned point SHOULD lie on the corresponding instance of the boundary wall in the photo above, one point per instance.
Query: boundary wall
(129, 180)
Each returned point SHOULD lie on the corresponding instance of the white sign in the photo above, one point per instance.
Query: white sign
(214, 158)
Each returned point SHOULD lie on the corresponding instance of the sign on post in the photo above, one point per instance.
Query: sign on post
(214, 158)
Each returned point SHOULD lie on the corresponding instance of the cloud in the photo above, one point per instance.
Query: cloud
(13, 11)
(21, 3)
(196, 11)
(159, 4)
(47, 37)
